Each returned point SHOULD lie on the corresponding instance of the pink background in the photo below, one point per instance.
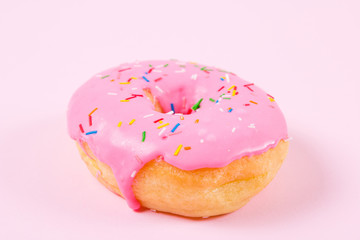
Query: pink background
(305, 53)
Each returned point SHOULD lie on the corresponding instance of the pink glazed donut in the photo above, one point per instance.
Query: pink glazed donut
(178, 137)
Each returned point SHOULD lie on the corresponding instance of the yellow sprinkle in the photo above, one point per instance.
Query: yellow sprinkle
(160, 121)
(253, 102)
(197, 121)
(131, 122)
(93, 111)
(124, 100)
(124, 82)
(164, 125)
(178, 150)
(119, 124)
(231, 87)
(271, 99)
(134, 78)
(234, 92)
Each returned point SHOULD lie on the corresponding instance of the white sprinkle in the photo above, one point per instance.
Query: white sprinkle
(133, 174)
(178, 114)
(149, 115)
(223, 96)
(111, 93)
(171, 112)
(201, 140)
(233, 130)
(252, 125)
(221, 110)
(227, 77)
(162, 130)
(137, 65)
(134, 88)
(194, 76)
(239, 118)
(156, 70)
(159, 89)
(180, 71)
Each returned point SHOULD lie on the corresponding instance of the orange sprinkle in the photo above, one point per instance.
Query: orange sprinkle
(93, 111)
(112, 80)
(181, 117)
(187, 148)
(253, 102)
(197, 121)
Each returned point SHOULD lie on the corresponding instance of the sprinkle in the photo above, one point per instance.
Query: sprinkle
(158, 88)
(246, 104)
(233, 92)
(124, 82)
(92, 132)
(222, 79)
(81, 128)
(90, 120)
(119, 124)
(162, 130)
(211, 99)
(124, 100)
(166, 65)
(233, 130)
(271, 99)
(111, 93)
(221, 88)
(150, 70)
(252, 125)
(164, 125)
(171, 134)
(197, 105)
(93, 111)
(247, 86)
(134, 88)
(194, 76)
(174, 128)
(158, 79)
(189, 111)
(131, 122)
(181, 117)
(133, 174)
(178, 150)
(227, 98)
(231, 87)
(270, 96)
(105, 76)
(121, 70)
(150, 65)
(158, 120)
(253, 102)
(130, 98)
(203, 68)
(197, 121)
(143, 136)
(169, 113)
(172, 107)
(145, 79)
(187, 148)
(230, 110)
(137, 95)
(221, 110)
(201, 140)
(227, 77)
(239, 118)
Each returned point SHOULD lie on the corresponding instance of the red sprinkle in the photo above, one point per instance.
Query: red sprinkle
(121, 70)
(247, 104)
(158, 120)
(81, 128)
(130, 98)
(270, 96)
(247, 85)
(189, 111)
(221, 88)
(137, 95)
(158, 79)
(90, 120)
(150, 70)
(129, 79)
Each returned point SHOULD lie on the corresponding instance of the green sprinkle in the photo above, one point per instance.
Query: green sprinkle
(226, 98)
(143, 136)
(166, 65)
(150, 65)
(203, 68)
(211, 99)
(197, 105)
(105, 76)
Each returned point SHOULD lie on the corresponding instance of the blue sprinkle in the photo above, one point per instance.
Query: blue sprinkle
(217, 101)
(145, 79)
(176, 126)
(172, 107)
(230, 110)
(92, 132)
(222, 79)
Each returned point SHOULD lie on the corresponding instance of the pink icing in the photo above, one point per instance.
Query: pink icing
(252, 126)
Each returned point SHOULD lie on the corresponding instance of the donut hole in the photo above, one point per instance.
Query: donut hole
(179, 101)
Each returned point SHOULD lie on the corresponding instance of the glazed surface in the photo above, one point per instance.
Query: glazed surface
(218, 118)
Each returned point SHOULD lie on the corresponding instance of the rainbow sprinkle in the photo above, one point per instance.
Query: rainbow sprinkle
(175, 127)
(143, 136)
(178, 150)
(92, 132)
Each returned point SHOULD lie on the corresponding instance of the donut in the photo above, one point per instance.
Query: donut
(178, 137)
